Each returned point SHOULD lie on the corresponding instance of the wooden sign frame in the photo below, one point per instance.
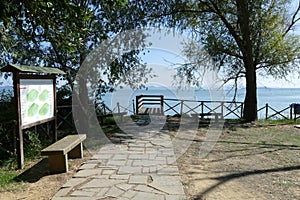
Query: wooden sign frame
(20, 127)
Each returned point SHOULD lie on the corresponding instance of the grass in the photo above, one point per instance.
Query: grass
(6, 178)
(9, 181)
(260, 157)
(276, 122)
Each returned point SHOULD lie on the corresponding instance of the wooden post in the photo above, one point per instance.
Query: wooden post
(54, 124)
(291, 111)
(19, 131)
(242, 110)
(222, 109)
(133, 107)
(202, 107)
(104, 108)
(118, 107)
(161, 104)
(181, 107)
(137, 104)
(267, 111)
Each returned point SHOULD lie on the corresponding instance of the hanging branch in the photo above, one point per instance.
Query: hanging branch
(295, 19)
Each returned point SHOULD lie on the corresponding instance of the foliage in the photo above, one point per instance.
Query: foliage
(7, 106)
(64, 96)
(243, 37)
(7, 125)
(62, 33)
(32, 141)
(32, 144)
(6, 178)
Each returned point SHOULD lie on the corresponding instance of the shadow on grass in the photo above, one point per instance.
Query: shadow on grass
(252, 148)
(229, 177)
(248, 149)
(34, 173)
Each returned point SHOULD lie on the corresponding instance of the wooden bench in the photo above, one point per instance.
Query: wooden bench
(59, 152)
(151, 111)
(216, 115)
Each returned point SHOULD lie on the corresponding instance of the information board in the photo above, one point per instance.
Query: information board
(36, 100)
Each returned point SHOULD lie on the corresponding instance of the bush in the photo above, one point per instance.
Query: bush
(32, 144)
(7, 139)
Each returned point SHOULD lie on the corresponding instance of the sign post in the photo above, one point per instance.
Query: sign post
(35, 100)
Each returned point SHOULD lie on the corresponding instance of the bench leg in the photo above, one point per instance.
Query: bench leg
(77, 152)
(58, 163)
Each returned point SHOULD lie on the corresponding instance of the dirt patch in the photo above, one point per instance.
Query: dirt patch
(37, 183)
(246, 163)
(253, 162)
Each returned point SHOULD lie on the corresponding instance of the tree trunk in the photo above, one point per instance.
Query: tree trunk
(246, 45)
(250, 103)
(81, 105)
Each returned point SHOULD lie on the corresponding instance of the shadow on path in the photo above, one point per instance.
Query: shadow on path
(229, 177)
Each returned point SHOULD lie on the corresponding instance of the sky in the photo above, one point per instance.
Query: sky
(161, 67)
(162, 60)
(166, 50)
(162, 56)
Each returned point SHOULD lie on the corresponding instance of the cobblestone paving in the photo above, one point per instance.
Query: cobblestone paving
(137, 169)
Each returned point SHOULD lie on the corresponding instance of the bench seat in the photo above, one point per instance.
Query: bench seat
(202, 115)
(150, 111)
(59, 152)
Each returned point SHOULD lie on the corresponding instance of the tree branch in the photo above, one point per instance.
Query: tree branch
(294, 20)
(230, 28)
(266, 65)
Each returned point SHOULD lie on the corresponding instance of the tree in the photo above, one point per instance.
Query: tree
(8, 33)
(61, 33)
(243, 37)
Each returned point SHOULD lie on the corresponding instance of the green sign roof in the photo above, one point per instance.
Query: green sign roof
(30, 69)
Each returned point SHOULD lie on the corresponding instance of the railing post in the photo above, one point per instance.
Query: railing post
(161, 104)
(202, 107)
(137, 104)
(222, 109)
(118, 107)
(267, 108)
(181, 107)
(291, 112)
(104, 108)
(242, 110)
(133, 107)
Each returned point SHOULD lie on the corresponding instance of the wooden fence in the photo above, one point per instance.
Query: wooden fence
(65, 117)
(290, 112)
(188, 107)
(228, 109)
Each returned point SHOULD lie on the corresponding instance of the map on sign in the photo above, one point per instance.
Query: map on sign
(37, 100)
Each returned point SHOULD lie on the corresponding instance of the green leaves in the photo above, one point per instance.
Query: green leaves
(62, 33)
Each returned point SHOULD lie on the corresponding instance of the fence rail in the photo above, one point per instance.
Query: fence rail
(227, 109)
(190, 107)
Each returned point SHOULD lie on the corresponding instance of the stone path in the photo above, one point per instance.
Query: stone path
(137, 169)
